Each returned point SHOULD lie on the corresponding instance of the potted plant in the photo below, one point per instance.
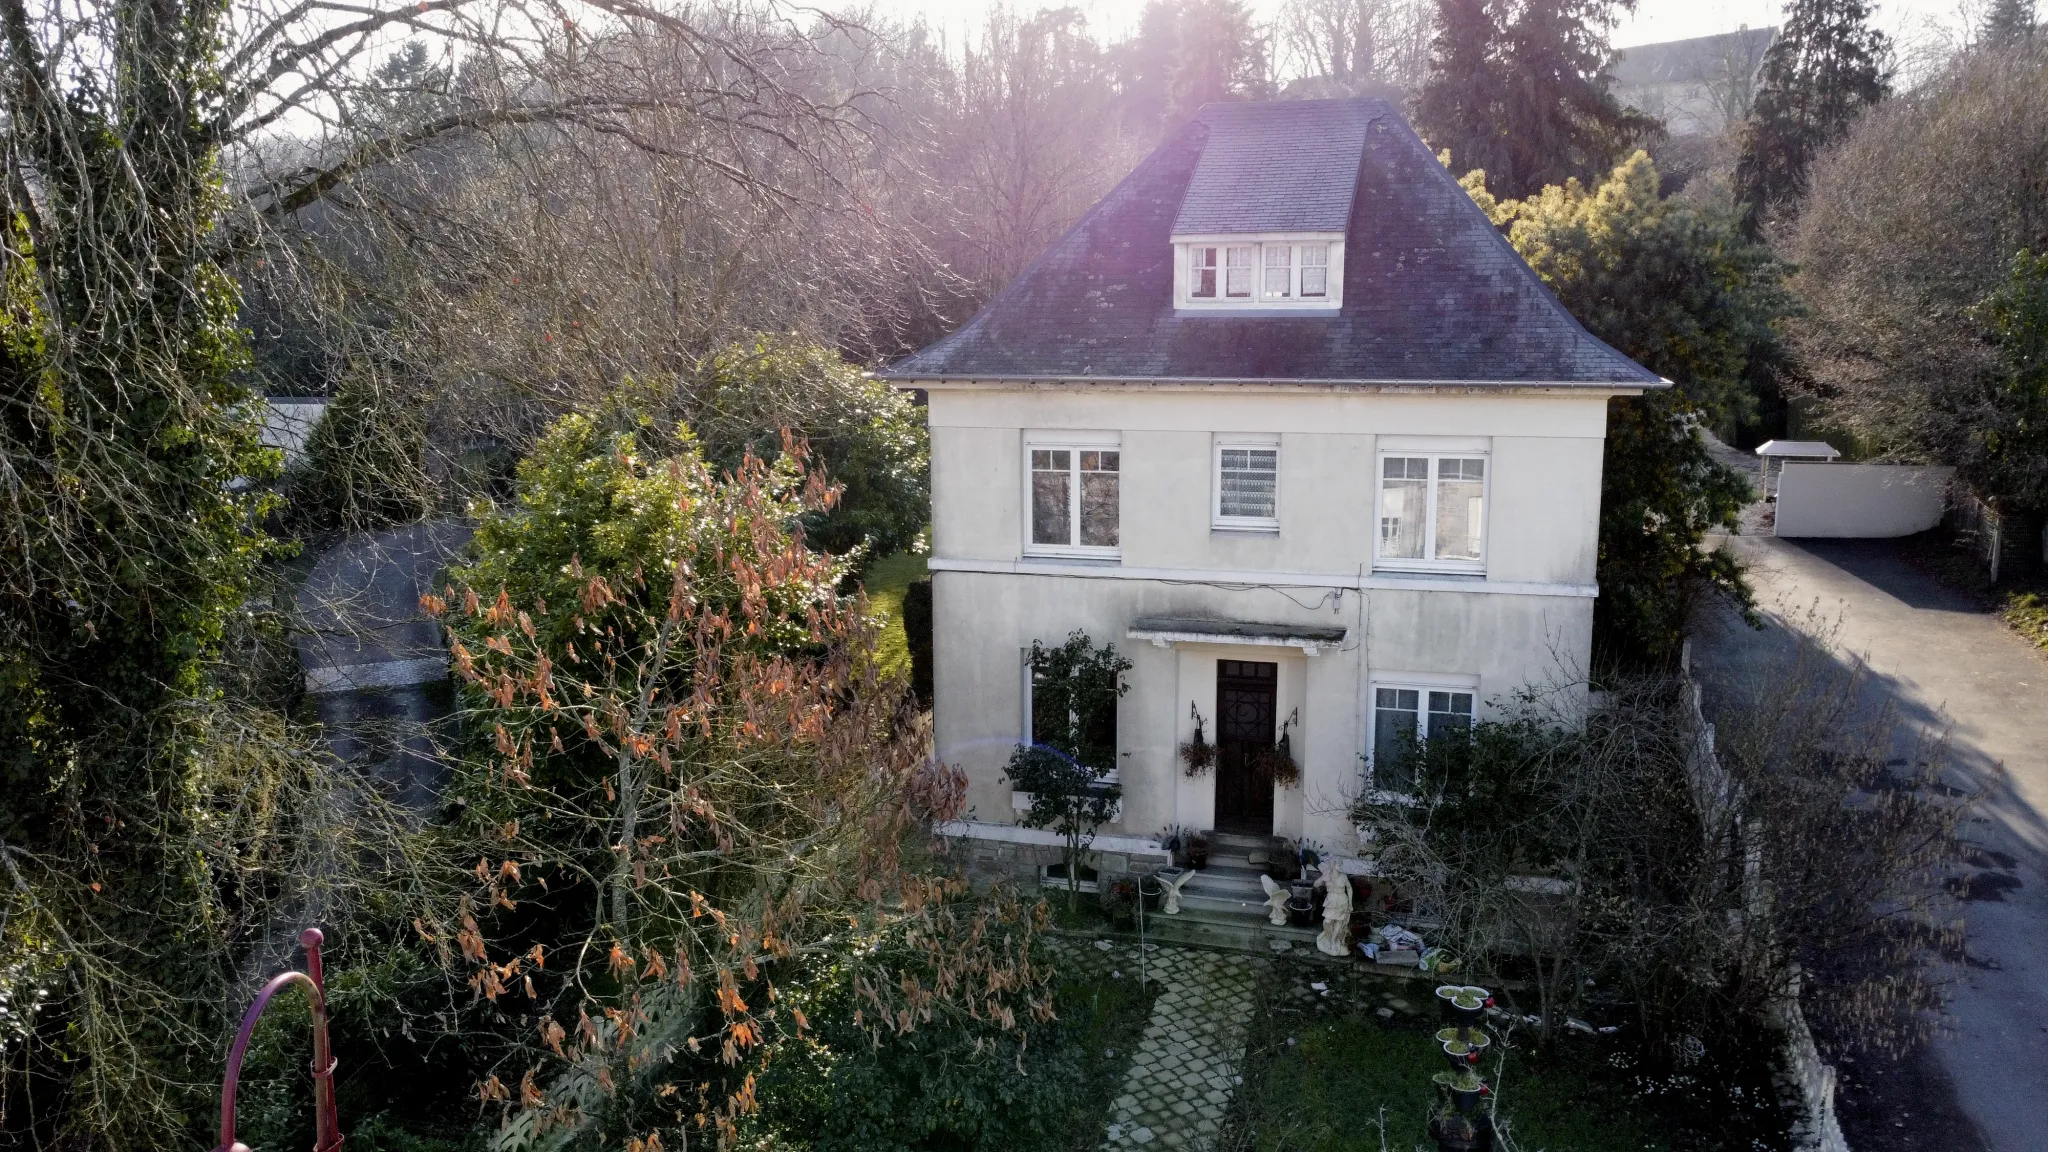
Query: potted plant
(1198, 850)
(1197, 753)
(1120, 901)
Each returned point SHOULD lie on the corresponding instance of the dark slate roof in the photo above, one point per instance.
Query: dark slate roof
(1275, 166)
(1432, 292)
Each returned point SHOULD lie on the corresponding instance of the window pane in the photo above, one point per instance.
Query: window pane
(1404, 494)
(1202, 272)
(1315, 270)
(1247, 483)
(1099, 499)
(1280, 270)
(1237, 276)
(1449, 710)
(1460, 508)
(1051, 496)
(1394, 727)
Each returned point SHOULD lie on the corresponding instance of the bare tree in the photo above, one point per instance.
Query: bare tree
(1347, 47)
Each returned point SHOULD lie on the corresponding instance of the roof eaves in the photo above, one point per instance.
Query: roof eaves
(917, 378)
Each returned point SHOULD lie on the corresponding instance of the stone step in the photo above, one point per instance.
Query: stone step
(1239, 842)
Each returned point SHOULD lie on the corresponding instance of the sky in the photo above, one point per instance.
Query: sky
(1653, 20)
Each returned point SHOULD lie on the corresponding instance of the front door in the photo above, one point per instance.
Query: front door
(1247, 695)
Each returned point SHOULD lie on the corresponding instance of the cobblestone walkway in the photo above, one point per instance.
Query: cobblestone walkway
(1185, 1069)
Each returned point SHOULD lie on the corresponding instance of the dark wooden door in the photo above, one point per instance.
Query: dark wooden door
(1247, 695)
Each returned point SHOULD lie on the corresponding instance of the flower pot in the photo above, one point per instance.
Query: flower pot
(1463, 1005)
(1198, 853)
(1301, 911)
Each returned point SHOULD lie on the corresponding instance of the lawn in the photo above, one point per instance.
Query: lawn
(886, 581)
(1107, 1016)
(1328, 1073)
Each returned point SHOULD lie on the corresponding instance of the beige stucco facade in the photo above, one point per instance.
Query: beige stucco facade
(1525, 620)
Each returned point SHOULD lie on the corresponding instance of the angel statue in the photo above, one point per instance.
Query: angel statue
(1171, 886)
(1276, 900)
(1336, 911)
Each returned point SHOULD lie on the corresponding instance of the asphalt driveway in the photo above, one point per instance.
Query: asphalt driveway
(1947, 665)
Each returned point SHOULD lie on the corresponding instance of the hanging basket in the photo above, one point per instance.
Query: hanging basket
(1277, 763)
(1198, 754)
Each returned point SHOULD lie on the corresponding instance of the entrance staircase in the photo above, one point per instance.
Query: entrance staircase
(1224, 906)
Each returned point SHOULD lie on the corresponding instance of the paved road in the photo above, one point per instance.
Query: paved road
(1947, 665)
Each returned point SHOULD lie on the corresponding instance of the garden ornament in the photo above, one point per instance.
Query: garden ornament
(1276, 900)
(1171, 890)
(1336, 911)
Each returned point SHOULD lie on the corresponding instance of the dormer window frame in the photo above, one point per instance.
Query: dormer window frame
(1257, 273)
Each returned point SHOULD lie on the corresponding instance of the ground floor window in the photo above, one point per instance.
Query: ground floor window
(1403, 717)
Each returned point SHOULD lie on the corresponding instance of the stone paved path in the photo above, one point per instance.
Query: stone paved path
(1185, 1069)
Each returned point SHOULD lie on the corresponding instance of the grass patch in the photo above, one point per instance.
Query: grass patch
(1107, 1018)
(1326, 1073)
(886, 581)
(2027, 614)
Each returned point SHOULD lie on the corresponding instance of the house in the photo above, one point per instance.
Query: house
(1286, 420)
(1697, 87)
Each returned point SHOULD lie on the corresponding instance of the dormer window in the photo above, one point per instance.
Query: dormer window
(1289, 273)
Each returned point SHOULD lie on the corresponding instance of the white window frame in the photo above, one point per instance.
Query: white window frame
(1184, 275)
(1076, 442)
(1436, 450)
(1424, 684)
(1217, 520)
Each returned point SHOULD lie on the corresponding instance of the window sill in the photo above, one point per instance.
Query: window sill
(1247, 527)
(1476, 575)
(1105, 557)
(1256, 311)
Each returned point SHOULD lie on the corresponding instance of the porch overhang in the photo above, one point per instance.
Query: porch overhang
(1164, 631)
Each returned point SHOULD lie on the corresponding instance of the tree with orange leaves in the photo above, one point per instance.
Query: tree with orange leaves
(686, 774)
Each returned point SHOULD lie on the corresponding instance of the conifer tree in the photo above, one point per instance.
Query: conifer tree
(1825, 68)
(2006, 23)
(1522, 91)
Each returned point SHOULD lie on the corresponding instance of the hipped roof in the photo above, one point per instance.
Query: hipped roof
(1433, 293)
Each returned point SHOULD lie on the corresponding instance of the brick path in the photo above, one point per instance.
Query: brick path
(1182, 1076)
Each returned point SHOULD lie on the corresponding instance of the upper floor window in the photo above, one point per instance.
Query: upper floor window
(1247, 484)
(1075, 498)
(1432, 511)
(1283, 272)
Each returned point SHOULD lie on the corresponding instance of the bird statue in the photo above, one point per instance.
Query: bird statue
(1171, 889)
(1336, 911)
(1276, 900)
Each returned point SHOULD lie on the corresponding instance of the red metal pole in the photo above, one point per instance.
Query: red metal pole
(327, 1125)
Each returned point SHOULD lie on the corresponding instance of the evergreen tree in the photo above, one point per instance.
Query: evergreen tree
(2006, 23)
(1188, 53)
(1825, 68)
(1522, 92)
(1459, 107)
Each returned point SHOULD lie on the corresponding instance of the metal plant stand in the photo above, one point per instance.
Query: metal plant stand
(1463, 1118)
(326, 1125)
